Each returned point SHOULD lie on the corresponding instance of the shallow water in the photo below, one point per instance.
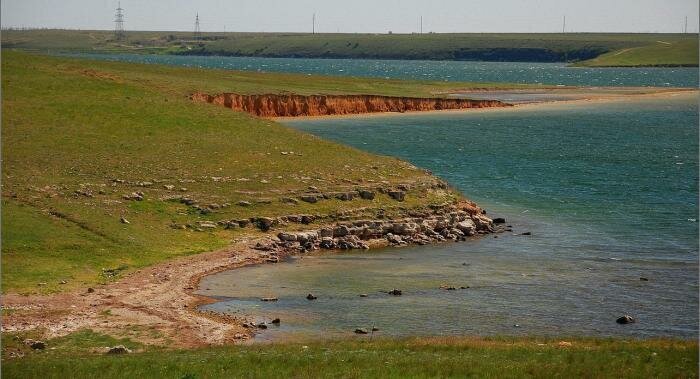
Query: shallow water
(496, 72)
(608, 190)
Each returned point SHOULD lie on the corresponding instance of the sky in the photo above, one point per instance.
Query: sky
(358, 16)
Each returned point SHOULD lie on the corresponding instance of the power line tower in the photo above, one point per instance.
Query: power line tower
(313, 24)
(197, 32)
(119, 23)
(563, 27)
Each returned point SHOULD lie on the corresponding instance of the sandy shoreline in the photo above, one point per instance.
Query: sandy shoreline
(160, 298)
(586, 98)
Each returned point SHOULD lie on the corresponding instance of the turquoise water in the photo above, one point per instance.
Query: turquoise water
(608, 190)
(509, 72)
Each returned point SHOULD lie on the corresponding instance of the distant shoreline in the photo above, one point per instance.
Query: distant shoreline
(596, 97)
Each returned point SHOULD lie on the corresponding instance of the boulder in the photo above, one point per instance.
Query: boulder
(340, 231)
(345, 196)
(264, 223)
(366, 194)
(397, 195)
(327, 243)
(311, 297)
(276, 321)
(467, 227)
(626, 319)
(395, 292)
(361, 331)
(325, 232)
(287, 237)
(307, 219)
(244, 203)
(499, 220)
(309, 198)
(119, 349)
(34, 344)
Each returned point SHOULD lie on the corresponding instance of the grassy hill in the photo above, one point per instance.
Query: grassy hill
(659, 53)
(80, 135)
(542, 47)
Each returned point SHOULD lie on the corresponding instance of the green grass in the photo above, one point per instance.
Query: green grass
(73, 126)
(81, 355)
(659, 53)
(538, 47)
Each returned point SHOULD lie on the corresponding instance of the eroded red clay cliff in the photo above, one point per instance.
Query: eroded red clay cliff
(290, 105)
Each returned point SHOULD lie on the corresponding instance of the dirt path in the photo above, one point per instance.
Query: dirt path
(155, 305)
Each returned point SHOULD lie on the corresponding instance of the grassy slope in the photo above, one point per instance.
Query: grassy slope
(74, 356)
(492, 46)
(659, 53)
(73, 125)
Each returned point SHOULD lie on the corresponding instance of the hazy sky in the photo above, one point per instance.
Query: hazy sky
(399, 16)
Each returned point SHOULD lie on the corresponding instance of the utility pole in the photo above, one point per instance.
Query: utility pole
(197, 33)
(313, 24)
(685, 28)
(119, 23)
(421, 24)
(563, 28)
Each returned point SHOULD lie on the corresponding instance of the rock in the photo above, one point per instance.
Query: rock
(361, 331)
(269, 299)
(90, 290)
(643, 279)
(307, 219)
(366, 194)
(525, 234)
(138, 196)
(345, 196)
(124, 220)
(626, 319)
(325, 232)
(499, 220)
(394, 239)
(564, 344)
(395, 292)
(243, 223)
(264, 223)
(206, 224)
(239, 336)
(309, 198)
(244, 203)
(341, 231)
(467, 227)
(311, 297)
(276, 321)
(375, 329)
(119, 349)
(397, 195)
(327, 243)
(363, 295)
(36, 345)
(289, 200)
(262, 325)
(287, 236)
(169, 187)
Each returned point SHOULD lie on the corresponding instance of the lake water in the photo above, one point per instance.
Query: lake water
(608, 190)
(497, 72)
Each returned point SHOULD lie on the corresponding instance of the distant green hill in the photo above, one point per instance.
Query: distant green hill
(613, 49)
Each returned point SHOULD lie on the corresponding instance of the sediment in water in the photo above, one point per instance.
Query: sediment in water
(292, 105)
